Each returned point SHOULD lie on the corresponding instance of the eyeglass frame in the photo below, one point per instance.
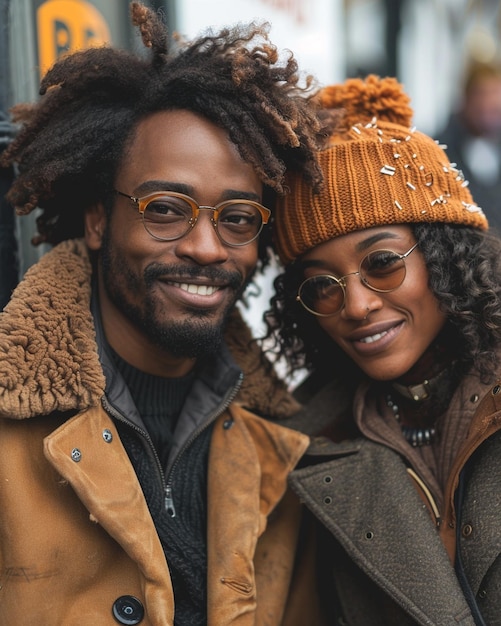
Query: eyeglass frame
(142, 204)
(342, 282)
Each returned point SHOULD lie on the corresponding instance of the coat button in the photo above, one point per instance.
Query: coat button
(467, 530)
(128, 610)
(107, 435)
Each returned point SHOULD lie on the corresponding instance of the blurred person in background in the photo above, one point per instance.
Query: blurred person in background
(391, 298)
(142, 479)
(8, 243)
(473, 137)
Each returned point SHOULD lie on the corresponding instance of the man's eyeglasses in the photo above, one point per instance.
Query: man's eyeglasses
(168, 215)
(380, 270)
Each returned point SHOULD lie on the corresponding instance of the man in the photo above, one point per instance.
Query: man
(135, 486)
(473, 137)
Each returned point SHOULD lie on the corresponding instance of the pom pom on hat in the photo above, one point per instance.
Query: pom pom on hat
(382, 98)
(377, 170)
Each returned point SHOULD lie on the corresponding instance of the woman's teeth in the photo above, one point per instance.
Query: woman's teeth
(373, 338)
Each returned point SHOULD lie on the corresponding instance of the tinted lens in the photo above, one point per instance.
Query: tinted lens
(238, 223)
(167, 217)
(382, 270)
(322, 295)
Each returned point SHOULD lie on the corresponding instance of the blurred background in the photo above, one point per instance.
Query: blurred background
(446, 52)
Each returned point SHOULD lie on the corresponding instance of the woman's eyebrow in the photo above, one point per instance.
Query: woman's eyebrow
(377, 237)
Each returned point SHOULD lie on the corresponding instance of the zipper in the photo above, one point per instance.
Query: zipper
(166, 482)
(143, 433)
(169, 501)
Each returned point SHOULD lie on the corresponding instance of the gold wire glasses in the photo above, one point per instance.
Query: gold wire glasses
(380, 270)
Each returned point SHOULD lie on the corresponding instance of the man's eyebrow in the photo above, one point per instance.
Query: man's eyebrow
(234, 194)
(151, 186)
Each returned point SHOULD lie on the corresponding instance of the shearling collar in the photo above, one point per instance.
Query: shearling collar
(48, 353)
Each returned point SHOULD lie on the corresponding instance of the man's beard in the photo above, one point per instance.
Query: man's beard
(195, 336)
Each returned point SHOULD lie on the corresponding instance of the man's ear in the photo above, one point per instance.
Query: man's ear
(95, 223)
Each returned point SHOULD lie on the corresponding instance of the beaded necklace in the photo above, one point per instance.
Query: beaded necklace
(417, 437)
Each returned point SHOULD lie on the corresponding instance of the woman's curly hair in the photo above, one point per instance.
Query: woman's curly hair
(464, 269)
(73, 139)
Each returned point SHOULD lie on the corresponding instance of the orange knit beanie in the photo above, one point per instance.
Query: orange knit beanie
(378, 171)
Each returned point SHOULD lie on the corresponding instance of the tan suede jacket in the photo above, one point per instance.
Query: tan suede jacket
(77, 542)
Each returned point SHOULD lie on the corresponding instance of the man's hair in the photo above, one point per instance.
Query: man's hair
(74, 138)
(477, 72)
(464, 268)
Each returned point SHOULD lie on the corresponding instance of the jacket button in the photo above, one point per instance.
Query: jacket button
(107, 435)
(467, 530)
(128, 610)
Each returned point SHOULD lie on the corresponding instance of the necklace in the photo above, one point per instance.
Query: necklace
(423, 390)
(417, 437)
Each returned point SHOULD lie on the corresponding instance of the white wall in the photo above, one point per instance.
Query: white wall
(312, 29)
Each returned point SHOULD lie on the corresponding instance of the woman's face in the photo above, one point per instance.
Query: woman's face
(385, 334)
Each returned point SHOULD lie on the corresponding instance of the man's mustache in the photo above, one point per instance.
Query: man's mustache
(180, 273)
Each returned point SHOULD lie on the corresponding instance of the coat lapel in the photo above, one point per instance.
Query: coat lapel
(364, 496)
(87, 451)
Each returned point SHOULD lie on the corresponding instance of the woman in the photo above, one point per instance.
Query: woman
(391, 297)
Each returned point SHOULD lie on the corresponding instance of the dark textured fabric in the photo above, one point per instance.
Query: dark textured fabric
(374, 552)
(183, 537)
(383, 559)
(159, 402)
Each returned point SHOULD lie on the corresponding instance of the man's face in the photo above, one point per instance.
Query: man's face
(164, 303)
(483, 107)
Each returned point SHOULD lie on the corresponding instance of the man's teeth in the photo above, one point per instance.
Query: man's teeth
(200, 290)
(373, 338)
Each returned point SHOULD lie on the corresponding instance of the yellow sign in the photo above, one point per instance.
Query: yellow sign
(65, 26)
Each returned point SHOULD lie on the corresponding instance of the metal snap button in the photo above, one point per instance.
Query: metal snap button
(467, 530)
(76, 455)
(128, 610)
(107, 435)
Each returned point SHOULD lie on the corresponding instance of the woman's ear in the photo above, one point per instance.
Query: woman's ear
(95, 223)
